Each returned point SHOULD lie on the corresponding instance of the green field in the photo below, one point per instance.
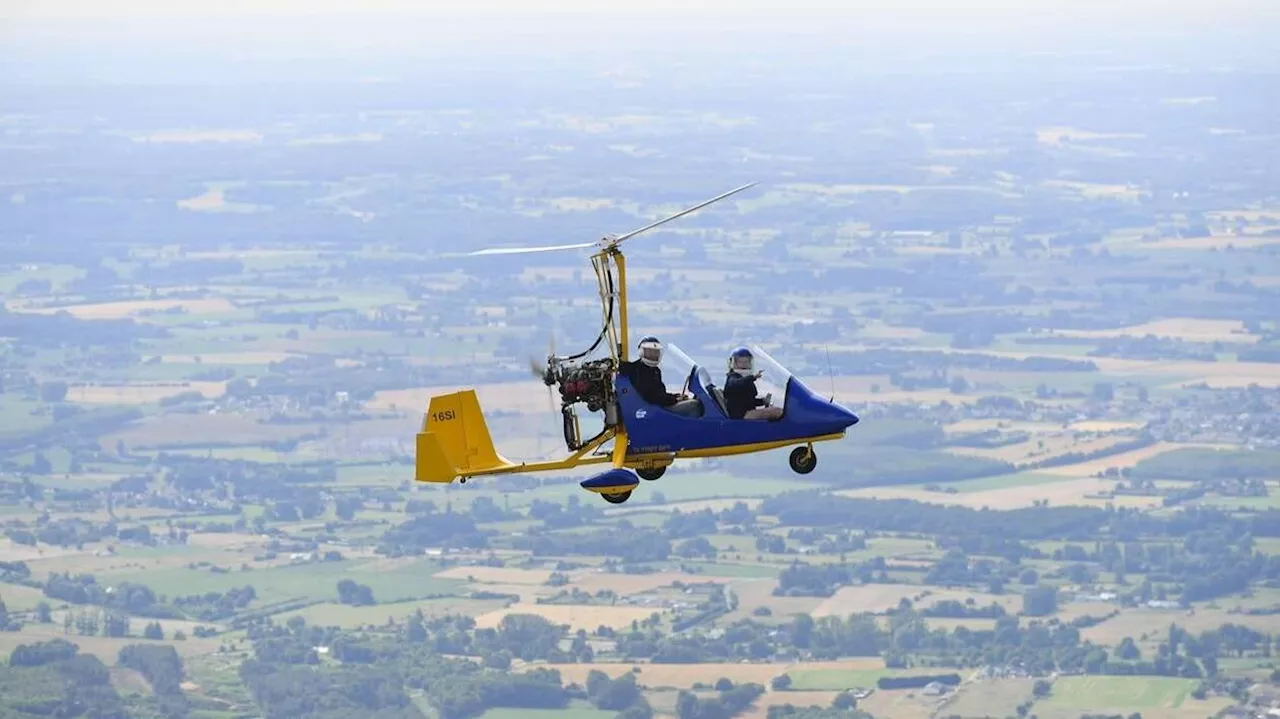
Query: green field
(310, 580)
(1101, 694)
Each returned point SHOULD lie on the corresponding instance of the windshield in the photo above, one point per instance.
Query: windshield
(774, 379)
(676, 367)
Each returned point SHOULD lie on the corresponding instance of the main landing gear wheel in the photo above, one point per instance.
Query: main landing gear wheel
(617, 497)
(803, 460)
(651, 474)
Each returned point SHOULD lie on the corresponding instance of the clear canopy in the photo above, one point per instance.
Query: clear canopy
(676, 367)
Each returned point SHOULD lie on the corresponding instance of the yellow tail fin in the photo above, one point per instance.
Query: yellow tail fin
(455, 441)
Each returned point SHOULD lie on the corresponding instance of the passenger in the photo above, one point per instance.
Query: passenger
(646, 377)
(740, 390)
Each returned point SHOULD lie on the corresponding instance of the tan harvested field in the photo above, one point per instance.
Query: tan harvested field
(883, 597)
(496, 575)
(989, 698)
(121, 310)
(1120, 461)
(1180, 328)
(1267, 374)
(181, 428)
(349, 617)
(577, 617)
(1097, 190)
(1214, 242)
(11, 551)
(696, 505)
(249, 358)
(1031, 450)
(142, 393)
(1102, 425)
(18, 598)
(686, 675)
(966, 426)
(87, 563)
(529, 397)
(105, 648)
(1136, 622)
(901, 704)
(760, 710)
(753, 593)
(1073, 610)
(1083, 492)
(626, 584)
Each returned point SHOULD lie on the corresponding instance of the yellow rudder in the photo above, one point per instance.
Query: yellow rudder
(455, 440)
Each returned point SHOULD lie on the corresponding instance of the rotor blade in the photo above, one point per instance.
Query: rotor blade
(524, 250)
(682, 213)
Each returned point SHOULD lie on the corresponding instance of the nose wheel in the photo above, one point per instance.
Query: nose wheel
(803, 460)
(617, 497)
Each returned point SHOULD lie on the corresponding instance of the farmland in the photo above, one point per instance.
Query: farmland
(223, 320)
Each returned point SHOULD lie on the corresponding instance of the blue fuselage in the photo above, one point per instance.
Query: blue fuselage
(653, 429)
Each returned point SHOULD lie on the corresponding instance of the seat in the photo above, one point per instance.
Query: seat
(719, 398)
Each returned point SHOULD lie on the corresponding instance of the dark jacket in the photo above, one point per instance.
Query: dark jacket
(648, 383)
(740, 395)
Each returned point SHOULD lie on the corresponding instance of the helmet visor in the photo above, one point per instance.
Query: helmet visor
(651, 353)
(741, 363)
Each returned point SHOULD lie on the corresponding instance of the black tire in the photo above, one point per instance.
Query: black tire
(803, 460)
(617, 498)
(651, 474)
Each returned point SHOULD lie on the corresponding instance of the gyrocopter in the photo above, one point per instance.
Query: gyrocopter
(455, 443)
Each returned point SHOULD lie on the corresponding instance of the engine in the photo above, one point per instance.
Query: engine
(590, 383)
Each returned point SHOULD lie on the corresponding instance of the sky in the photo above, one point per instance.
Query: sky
(135, 37)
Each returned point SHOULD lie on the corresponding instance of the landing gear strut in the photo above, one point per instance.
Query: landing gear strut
(803, 460)
(651, 474)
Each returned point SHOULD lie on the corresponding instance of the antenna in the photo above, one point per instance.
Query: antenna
(830, 373)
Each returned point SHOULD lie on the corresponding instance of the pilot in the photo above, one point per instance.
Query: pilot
(740, 390)
(646, 377)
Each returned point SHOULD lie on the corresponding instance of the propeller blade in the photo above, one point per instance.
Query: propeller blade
(526, 250)
(682, 213)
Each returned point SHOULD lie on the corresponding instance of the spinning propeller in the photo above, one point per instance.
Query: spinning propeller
(547, 373)
(609, 241)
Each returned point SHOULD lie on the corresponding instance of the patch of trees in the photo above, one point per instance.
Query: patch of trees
(288, 692)
(918, 682)
(251, 480)
(357, 595)
(53, 679)
(127, 596)
(626, 543)
(450, 530)
(904, 515)
(614, 694)
(75, 432)
(1143, 440)
(955, 609)
(1208, 464)
(61, 329)
(822, 580)
(790, 711)
(163, 669)
(729, 703)
(903, 362)
(212, 606)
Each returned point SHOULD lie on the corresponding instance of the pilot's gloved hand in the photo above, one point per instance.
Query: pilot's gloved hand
(768, 400)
